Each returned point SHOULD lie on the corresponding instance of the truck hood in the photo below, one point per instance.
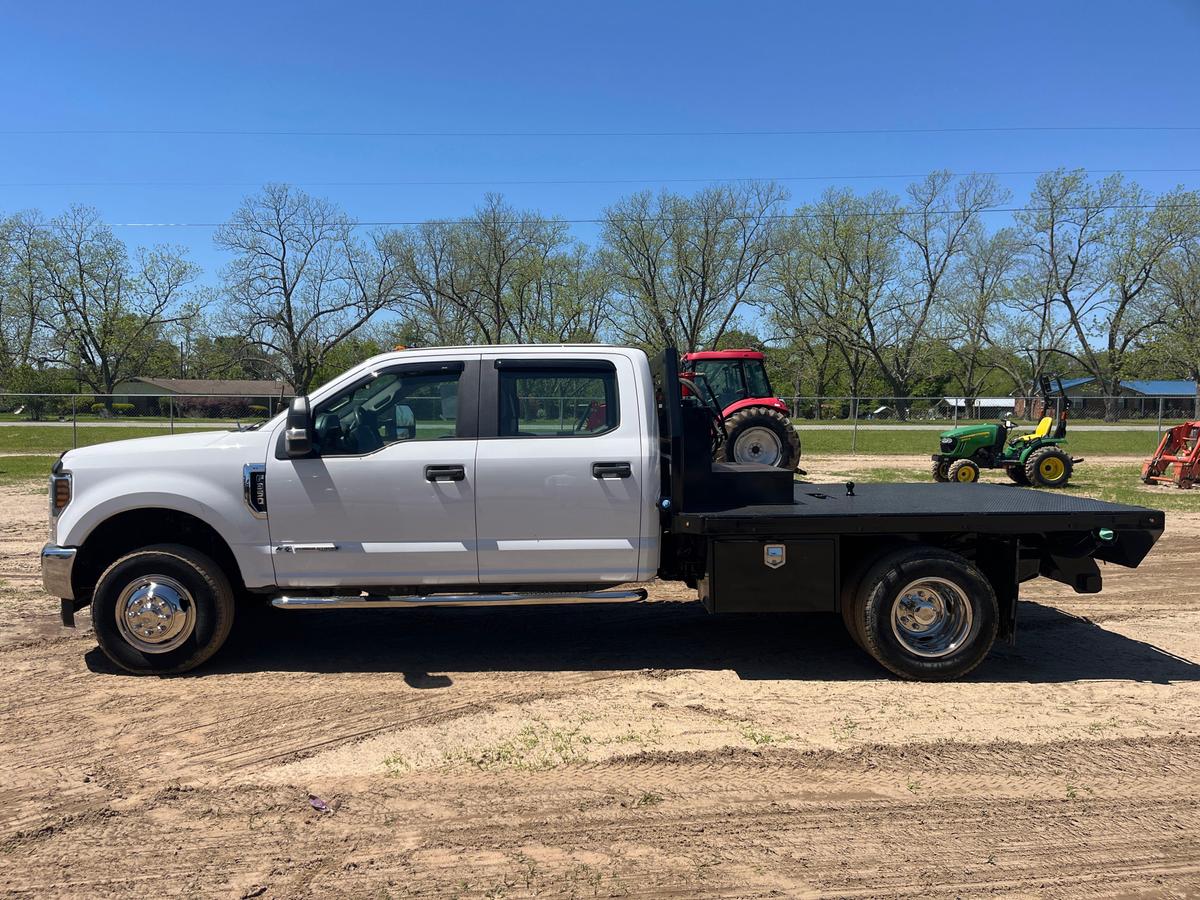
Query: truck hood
(167, 450)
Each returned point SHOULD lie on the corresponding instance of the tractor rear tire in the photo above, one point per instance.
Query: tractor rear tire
(1049, 467)
(940, 470)
(762, 435)
(1017, 473)
(964, 471)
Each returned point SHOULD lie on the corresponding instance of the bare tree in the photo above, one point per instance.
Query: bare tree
(812, 288)
(683, 267)
(300, 283)
(503, 275)
(940, 216)
(109, 312)
(435, 297)
(982, 282)
(1096, 249)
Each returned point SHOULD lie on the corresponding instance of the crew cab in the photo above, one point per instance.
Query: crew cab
(539, 474)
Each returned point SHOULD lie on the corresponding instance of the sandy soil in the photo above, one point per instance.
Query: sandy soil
(644, 750)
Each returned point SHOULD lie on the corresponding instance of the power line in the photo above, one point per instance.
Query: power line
(808, 132)
(662, 219)
(562, 181)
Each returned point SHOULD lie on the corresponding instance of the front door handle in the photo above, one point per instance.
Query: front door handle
(445, 473)
(611, 470)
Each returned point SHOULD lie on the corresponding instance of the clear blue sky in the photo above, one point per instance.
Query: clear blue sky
(561, 66)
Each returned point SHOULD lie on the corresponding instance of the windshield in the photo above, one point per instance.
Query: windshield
(724, 376)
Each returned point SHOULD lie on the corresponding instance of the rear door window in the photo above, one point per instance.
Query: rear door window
(548, 402)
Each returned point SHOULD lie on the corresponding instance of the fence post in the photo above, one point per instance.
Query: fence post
(1160, 412)
(171, 412)
(74, 422)
(854, 429)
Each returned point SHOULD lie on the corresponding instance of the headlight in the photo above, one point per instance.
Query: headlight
(948, 443)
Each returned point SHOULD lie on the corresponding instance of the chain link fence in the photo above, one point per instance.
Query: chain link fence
(853, 414)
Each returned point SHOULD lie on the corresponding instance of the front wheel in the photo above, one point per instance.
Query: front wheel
(925, 614)
(940, 470)
(162, 610)
(760, 434)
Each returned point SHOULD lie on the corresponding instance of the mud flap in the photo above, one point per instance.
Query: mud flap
(67, 611)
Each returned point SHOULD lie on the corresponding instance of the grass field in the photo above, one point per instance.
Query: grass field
(21, 469)
(1117, 483)
(1108, 443)
(36, 439)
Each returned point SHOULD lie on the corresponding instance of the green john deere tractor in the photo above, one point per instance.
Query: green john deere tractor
(1040, 458)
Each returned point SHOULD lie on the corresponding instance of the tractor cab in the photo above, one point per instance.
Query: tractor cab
(731, 375)
(756, 425)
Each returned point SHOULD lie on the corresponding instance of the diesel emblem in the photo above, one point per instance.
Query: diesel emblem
(774, 555)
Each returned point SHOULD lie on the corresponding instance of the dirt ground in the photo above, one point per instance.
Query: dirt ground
(645, 750)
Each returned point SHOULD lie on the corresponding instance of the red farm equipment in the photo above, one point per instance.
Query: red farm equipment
(1177, 459)
(757, 425)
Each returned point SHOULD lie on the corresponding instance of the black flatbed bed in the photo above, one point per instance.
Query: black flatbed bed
(925, 508)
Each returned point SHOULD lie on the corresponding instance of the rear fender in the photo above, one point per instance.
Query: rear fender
(770, 402)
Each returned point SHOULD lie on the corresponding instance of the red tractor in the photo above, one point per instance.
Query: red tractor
(756, 423)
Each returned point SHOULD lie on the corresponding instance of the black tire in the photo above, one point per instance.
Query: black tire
(940, 470)
(963, 471)
(1017, 473)
(870, 618)
(211, 600)
(741, 425)
(1048, 467)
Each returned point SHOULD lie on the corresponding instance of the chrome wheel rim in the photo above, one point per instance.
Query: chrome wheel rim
(155, 613)
(760, 445)
(932, 617)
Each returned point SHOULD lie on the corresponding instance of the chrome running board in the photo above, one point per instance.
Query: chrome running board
(363, 601)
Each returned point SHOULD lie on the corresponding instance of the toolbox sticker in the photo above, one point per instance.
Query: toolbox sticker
(774, 555)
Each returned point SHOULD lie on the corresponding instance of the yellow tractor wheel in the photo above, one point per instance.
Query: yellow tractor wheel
(1048, 467)
(963, 471)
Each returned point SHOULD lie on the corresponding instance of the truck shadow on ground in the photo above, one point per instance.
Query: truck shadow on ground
(1052, 646)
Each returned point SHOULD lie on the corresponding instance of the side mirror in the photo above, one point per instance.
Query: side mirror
(297, 439)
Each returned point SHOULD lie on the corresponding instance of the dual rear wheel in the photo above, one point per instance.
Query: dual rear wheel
(923, 613)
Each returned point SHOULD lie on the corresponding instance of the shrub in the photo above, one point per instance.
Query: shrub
(123, 409)
(259, 412)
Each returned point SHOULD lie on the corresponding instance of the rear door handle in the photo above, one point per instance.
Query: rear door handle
(611, 470)
(445, 473)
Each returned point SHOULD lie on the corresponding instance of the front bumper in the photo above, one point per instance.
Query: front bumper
(57, 565)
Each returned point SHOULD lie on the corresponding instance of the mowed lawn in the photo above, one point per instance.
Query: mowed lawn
(1114, 442)
(52, 439)
(1117, 482)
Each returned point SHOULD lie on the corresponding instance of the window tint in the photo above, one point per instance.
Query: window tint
(553, 402)
(391, 407)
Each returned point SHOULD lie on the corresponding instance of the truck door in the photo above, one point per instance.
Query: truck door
(558, 491)
(388, 498)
